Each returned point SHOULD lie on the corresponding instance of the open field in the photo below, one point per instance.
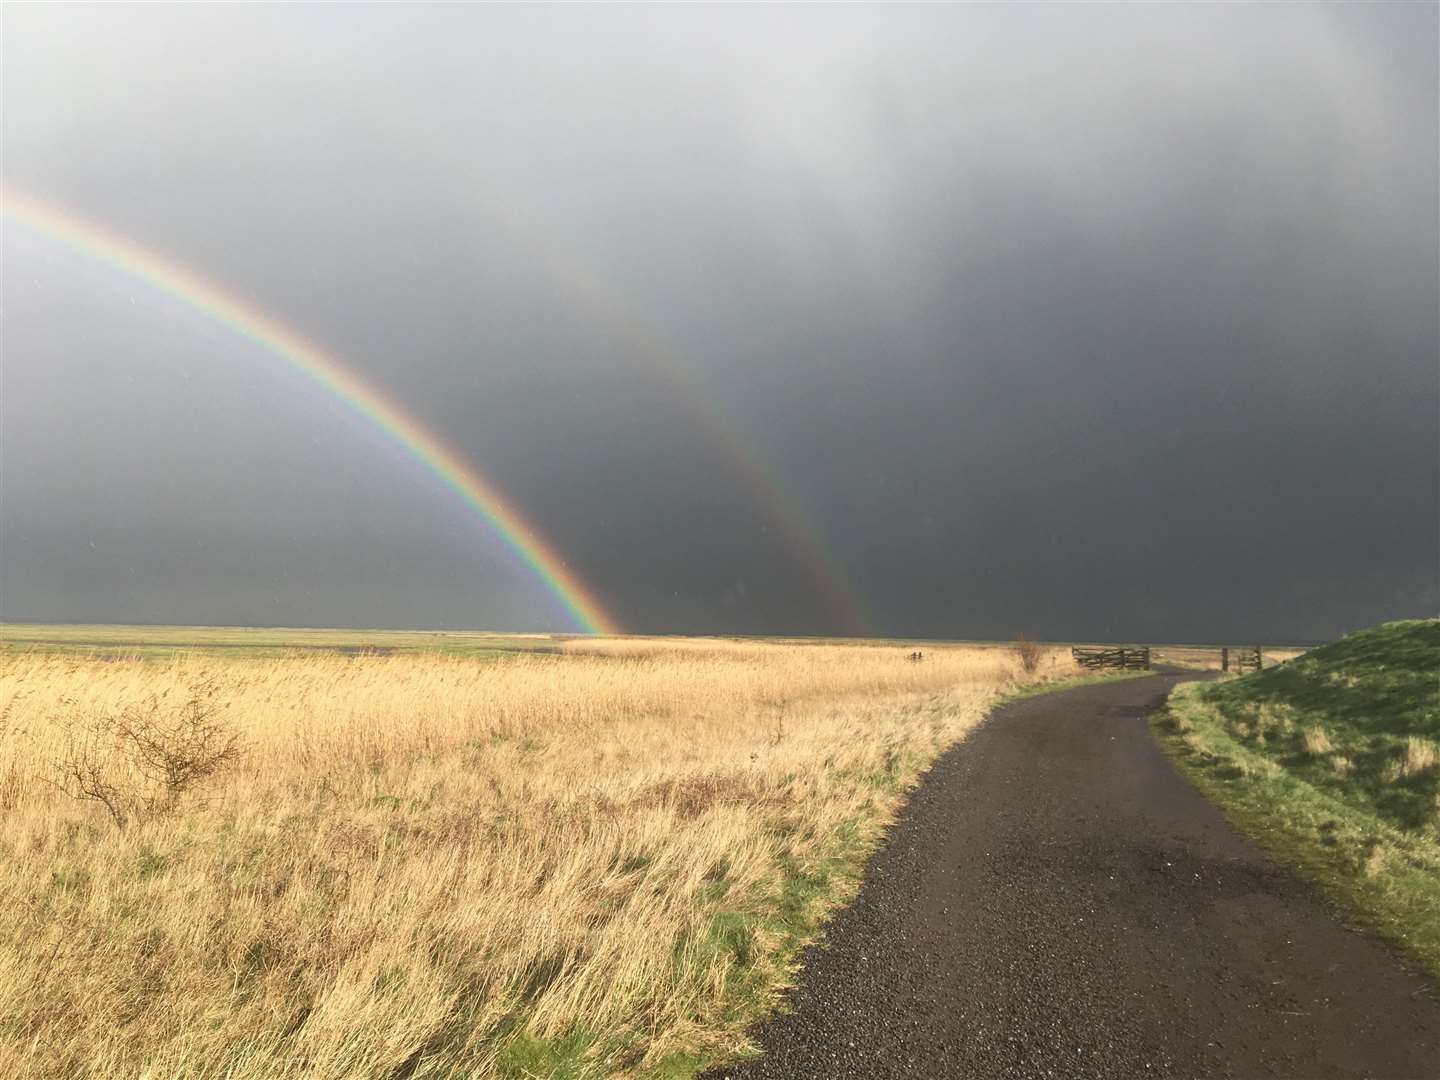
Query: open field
(144, 642)
(148, 642)
(1207, 657)
(1332, 762)
(593, 862)
(260, 642)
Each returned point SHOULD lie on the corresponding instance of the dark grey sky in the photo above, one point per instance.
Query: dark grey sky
(1096, 321)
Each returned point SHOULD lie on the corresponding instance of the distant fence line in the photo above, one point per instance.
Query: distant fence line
(1251, 658)
(1125, 659)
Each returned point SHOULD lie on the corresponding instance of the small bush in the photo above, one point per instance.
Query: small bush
(1029, 652)
(144, 759)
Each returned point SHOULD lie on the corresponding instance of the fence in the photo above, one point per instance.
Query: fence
(1125, 659)
(1247, 659)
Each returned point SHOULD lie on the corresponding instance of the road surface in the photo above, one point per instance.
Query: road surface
(1058, 902)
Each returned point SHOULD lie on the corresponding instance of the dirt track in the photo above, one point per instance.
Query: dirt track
(1058, 902)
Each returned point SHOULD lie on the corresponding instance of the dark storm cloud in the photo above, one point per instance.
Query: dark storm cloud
(1093, 321)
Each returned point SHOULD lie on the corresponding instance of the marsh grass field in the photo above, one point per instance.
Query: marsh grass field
(164, 642)
(513, 857)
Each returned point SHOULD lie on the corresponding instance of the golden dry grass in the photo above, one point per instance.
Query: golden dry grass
(1420, 755)
(432, 866)
(1317, 742)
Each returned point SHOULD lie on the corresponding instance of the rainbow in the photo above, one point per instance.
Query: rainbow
(648, 348)
(327, 371)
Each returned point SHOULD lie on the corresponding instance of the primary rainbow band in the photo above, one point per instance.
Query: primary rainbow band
(324, 369)
(588, 289)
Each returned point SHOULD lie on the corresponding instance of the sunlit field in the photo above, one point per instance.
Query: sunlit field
(597, 860)
(164, 641)
(1207, 657)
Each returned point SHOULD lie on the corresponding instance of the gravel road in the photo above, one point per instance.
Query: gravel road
(1058, 902)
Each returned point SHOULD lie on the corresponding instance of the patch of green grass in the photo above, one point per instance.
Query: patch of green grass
(529, 1057)
(755, 938)
(1332, 763)
(734, 933)
(763, 937)
(677, 1066)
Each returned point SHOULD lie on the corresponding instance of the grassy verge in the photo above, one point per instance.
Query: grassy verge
(1332, 764)
(755, 939)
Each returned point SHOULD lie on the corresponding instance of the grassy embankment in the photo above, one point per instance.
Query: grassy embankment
(1332, 763)
(598, 863)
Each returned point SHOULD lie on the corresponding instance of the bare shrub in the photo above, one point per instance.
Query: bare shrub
(1029, 652)
(145, 758)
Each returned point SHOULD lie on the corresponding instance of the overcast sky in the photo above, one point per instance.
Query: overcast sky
(1102, 322)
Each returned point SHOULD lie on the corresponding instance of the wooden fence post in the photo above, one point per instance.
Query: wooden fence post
(1225, 658)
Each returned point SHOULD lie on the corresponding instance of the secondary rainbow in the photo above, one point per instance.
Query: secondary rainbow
(499, 511)
(648, 347)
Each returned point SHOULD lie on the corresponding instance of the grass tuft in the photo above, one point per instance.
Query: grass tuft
(1317, 743)
(1421, 755)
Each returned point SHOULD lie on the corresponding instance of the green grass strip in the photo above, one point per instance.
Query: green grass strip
(1327, 762)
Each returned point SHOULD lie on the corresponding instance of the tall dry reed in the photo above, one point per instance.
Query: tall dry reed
(423, 866)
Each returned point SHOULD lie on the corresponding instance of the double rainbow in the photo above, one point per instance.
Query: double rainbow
(648, 348)
(326, 370)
